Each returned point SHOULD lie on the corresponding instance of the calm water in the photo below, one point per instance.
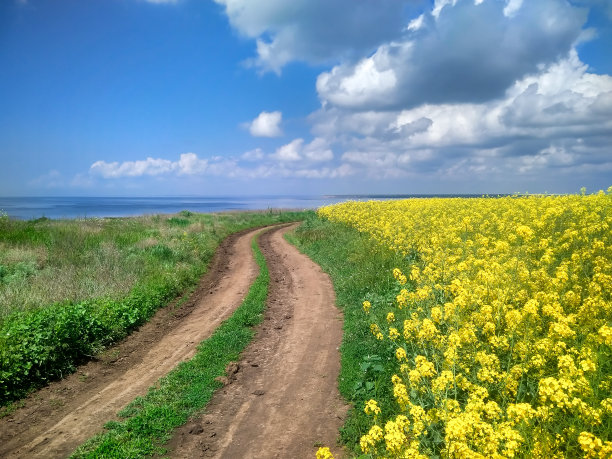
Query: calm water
(26, 208)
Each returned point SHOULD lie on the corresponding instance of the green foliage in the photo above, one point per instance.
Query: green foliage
(45, 341)
(175, 221)
(149, 420)
(17, 271)
(359, 270)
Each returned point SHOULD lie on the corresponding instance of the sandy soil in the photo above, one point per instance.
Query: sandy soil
(58, 418)
(281, 400)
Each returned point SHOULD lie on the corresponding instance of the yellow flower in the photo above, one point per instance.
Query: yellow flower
(371, 407)
(324, 453)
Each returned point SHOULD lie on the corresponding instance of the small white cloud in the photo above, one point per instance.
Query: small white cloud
(188, 164)
(52, 179)
(416, 24)
(267, 124)
(318, 150)
(149, 166)
(253, 155)
(512, 6)
(289, 152)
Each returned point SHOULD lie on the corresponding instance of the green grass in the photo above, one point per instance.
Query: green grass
(68, 288)
(46, 261)
(148, 421)
(359, 269)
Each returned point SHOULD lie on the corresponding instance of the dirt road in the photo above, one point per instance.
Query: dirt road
(281, 399)
(60, 417)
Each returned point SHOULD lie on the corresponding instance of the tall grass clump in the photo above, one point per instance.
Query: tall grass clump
(68, 288)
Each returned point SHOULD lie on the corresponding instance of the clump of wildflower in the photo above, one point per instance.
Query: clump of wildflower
(368, 441)
(372, 408)
(324, 453)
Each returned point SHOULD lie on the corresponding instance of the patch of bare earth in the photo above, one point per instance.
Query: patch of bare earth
(281, 400)
(58, 418)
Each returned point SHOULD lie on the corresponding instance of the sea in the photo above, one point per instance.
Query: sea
(29, 208)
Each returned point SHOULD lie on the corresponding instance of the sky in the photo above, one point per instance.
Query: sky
(304, 97)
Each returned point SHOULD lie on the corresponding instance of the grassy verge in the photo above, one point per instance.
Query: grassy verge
(149, 420)
(359, 269)
(70, 288)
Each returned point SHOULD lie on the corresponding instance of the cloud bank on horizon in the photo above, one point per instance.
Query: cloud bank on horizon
(424, 91)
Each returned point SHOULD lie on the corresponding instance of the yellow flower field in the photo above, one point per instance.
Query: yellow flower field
(501, 326)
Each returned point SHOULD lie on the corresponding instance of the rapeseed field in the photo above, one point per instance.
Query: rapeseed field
(499, 323)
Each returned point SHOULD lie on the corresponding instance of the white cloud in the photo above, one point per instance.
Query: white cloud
(290, 151)
(188, 164)
(371, 82)
(267, 124)
(553, 122)
(318, 151)
(512, 7)
(253, 155)
(416, 24)
(463, 51)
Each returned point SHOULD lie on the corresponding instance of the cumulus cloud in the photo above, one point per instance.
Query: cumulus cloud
(316, 151)
(188, 164)
(267, 124)
(290, 151)
(315, 31)
(463, 51)
(253, 155)
(559, 119)
(297, 158)
(418, 90)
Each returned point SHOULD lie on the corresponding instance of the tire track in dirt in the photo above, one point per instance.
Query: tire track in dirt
(282, 399)
(59, 418)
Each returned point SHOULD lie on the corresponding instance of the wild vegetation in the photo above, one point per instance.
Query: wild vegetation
(69, 288)
(488, 324)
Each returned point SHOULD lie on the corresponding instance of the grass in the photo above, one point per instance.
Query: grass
(359, 269)
(70, 288)
(148, 421)
(46, 261)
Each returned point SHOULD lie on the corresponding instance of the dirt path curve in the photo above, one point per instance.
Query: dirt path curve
(283, 400)
(55, 420)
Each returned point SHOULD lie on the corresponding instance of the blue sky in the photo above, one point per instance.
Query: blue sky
(233, 97)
